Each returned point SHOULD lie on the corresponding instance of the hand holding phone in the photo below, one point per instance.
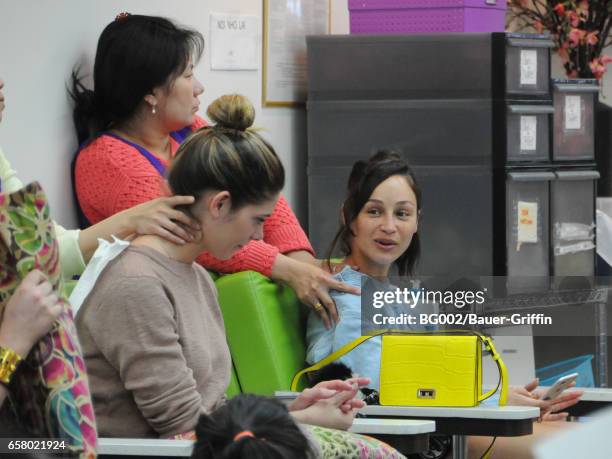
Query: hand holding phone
(559, 386)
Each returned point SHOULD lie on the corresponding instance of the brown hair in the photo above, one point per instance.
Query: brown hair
(228, 155)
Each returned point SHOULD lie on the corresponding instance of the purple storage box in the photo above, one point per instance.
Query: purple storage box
(426, 16)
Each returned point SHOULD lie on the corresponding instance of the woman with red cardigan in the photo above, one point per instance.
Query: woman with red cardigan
(143, 106)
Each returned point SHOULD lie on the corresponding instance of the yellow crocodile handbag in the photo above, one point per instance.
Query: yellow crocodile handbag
(430, 368)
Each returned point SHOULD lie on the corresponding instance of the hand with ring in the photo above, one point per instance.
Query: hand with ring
(312, 285)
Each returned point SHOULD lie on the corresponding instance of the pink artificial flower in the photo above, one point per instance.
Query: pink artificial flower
(538, 26)
(559, 9)
(604, 59)
(591, 38)
(563, 54)
(584, 7)
(575, 36)
(573, 17)
(597, 68)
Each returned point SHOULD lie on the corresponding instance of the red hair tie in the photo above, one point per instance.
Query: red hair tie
(122, 16)
(244, 433)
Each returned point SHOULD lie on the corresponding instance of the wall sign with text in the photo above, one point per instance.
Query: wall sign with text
(286, 25)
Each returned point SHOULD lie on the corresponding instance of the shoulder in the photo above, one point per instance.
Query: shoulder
(206, 279)
(103, 144)
(105, 154)
(198, 123)
(130, 278)
(349, 276)
(107, 149)
(132, 269)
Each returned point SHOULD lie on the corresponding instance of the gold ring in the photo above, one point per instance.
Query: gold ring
(318, 307)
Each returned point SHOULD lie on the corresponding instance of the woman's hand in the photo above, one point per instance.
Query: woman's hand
(327, 389)
(556, 405)
(29, 314)
(159, 217)
(311, 285)
(328, 412)
(522, 396)
(334, 267)
(530, 395)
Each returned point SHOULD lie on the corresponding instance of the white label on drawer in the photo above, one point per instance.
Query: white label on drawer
(573, 112)
(527, 222)
(529, 67)
(529, 129)
(575, 247)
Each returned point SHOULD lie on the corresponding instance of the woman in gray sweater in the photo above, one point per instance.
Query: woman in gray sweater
(151, 331)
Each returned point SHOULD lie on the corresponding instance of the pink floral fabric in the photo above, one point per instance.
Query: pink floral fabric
(51, 396)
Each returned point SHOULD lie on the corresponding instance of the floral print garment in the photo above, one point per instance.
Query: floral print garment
(338, 444)
(51, 395)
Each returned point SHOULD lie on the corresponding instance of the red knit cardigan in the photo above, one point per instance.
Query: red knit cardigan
(111, 176)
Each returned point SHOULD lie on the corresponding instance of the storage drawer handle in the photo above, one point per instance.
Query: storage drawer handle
(577, 175)
(526, 43)
(531, 109)
(576, 88)
(531, 176)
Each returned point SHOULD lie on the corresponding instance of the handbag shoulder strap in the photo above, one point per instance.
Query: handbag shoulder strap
(332, 357)
(486, 340)
(503, 372)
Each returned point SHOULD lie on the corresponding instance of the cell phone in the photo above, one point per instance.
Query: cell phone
(559, 386)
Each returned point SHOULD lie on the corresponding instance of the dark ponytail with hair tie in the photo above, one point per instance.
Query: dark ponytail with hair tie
(250, 427)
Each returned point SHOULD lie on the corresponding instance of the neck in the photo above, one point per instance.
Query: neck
(186, 253)
(146, 132)
(366, 266)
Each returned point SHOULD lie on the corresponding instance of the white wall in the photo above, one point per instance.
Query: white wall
(339, 23)
(40, 42)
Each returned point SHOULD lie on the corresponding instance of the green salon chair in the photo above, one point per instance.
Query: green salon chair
(265, 326)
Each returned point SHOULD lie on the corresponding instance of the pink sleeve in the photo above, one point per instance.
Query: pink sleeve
(283, 230)
(282, 233)
(255, 256)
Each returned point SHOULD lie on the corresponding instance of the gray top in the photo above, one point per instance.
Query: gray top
(154, 343)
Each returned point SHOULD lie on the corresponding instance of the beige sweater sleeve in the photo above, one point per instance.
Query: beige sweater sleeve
(136, 331)
(68, 240)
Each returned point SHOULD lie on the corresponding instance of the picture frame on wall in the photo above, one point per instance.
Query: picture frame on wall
(286, 23)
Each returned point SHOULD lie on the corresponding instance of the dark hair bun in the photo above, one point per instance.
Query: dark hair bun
(232, 111)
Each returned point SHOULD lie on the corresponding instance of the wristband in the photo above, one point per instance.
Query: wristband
(9, 361)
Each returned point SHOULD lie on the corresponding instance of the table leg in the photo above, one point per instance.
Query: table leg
(601, 338)
(460, 447)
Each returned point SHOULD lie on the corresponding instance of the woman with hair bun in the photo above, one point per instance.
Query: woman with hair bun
(143, 106)
(151, 330)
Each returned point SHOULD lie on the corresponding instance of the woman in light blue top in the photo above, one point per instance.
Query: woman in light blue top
(378, 232)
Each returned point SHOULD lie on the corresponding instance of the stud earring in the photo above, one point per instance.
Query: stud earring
(153, 110)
